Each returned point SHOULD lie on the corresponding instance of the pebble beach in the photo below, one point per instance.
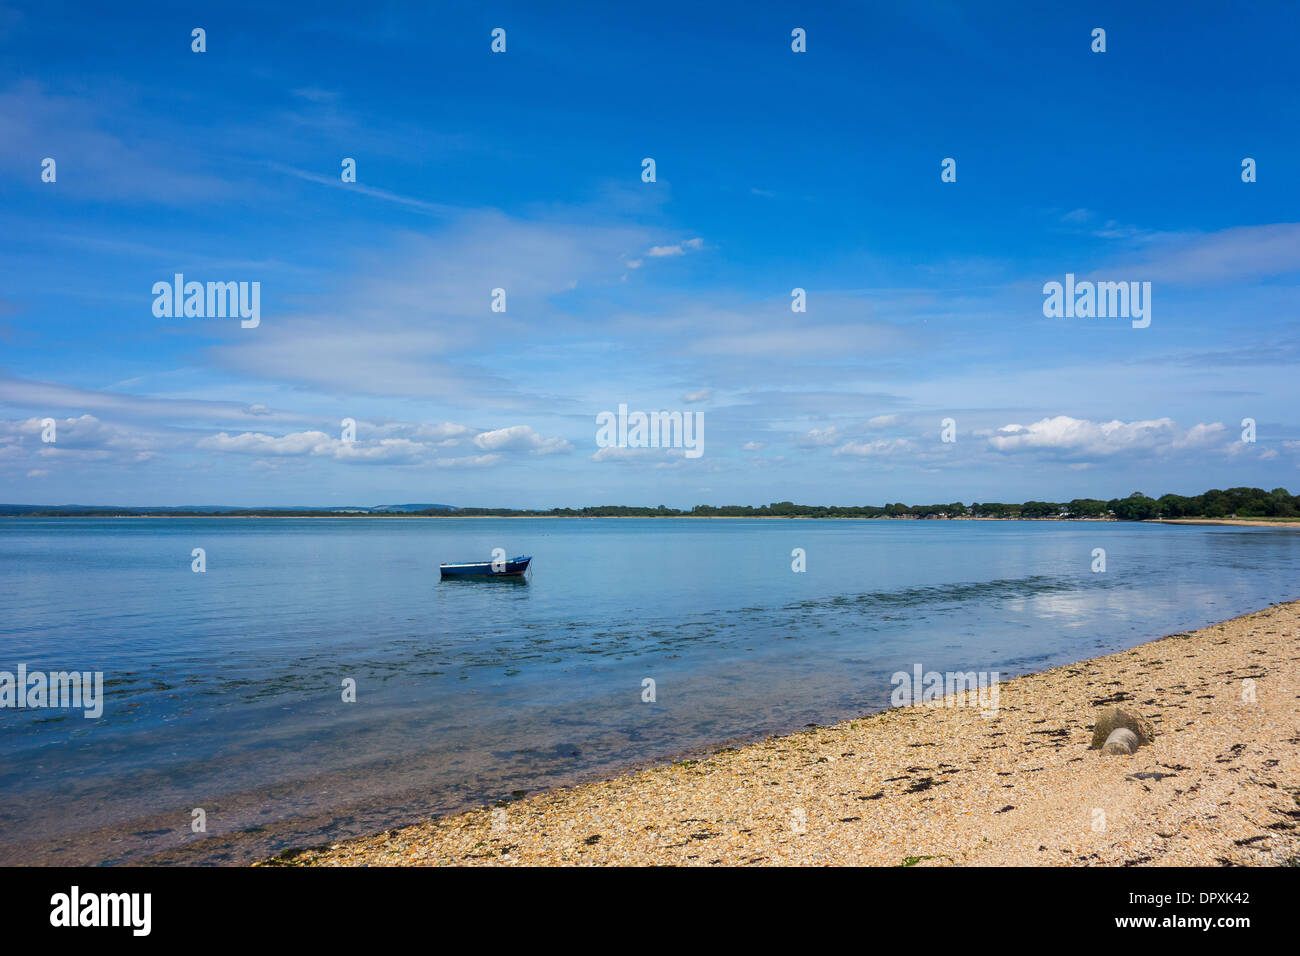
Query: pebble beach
(1219, 785)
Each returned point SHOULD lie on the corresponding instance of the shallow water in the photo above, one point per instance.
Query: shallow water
(223, 690)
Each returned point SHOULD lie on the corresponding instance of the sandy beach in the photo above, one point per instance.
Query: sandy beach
(924, 785)
(1237, 522)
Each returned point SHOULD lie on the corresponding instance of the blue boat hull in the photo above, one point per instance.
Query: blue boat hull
(515, 567)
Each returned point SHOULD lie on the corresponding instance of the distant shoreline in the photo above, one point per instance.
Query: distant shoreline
(443, 517)
(1213, 506)
(1237, 522)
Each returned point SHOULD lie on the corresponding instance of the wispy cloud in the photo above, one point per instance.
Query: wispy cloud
(92, 157)
(440, 209)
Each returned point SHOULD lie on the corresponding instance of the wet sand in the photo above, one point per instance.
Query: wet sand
(924, 785)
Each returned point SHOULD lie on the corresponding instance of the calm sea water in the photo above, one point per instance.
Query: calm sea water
(223, 690)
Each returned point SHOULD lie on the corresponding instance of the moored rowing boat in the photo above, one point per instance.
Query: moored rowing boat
(514, 567)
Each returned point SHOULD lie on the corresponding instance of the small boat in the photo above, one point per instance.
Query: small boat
(515, 567)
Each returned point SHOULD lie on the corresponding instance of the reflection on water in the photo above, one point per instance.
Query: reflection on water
(223, 690)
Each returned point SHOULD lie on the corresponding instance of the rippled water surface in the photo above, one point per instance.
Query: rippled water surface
(223, 690)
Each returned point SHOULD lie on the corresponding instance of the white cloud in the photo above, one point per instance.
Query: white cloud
(402, 444)
(1079, 437)
(88, 439)
(520, 438)
(820, 437)
(256, 443)
(881, 447)
(679, 249)
(85, 435)
(386, 450)
(444, 433)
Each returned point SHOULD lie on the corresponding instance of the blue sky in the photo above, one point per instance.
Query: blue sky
(522, 171)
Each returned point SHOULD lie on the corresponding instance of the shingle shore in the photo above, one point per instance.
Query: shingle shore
(938, 786)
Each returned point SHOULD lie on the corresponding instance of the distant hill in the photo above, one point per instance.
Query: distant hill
(412, 508)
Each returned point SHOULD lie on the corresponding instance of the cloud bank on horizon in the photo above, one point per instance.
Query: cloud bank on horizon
(838, 257)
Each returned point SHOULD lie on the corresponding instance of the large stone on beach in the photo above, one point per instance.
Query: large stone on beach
(1113, 718)
(1121, 743)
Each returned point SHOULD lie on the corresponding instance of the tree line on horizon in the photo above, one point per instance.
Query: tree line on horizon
(1242, 502)
(1215, 503)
